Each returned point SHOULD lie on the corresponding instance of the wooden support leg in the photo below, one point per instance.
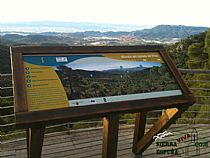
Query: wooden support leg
(139, 131)
(167, 118)
(35, 137)
(110, 136)
(138, 156)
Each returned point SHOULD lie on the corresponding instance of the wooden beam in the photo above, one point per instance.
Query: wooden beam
(35, 137)
(110, 136)
(139, 129)
(167, 118)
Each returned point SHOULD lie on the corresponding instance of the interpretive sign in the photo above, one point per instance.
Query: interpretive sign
(58, 84)
(103, 78)
(68, 80)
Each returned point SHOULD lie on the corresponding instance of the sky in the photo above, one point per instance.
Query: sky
(103, 63)
(134, 12)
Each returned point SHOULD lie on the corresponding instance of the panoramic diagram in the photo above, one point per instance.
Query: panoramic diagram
(99, 76)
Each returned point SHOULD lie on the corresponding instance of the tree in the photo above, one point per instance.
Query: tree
(207, 45)
(197, 57)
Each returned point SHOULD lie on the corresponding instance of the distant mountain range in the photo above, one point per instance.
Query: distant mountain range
(169, 31)
(158, 34)
(67, 27)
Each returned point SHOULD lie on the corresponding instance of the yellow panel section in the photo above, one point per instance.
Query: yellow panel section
(44, 88)
(146, 57)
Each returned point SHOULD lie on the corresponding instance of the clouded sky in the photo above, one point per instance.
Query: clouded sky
(137, 12)
(103, 63)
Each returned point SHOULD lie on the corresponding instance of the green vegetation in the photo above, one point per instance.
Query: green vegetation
(207, 45)
(179, 50)
(198, 52)
(81, 84)
(197, 57)
(192, 52)
(4, 59)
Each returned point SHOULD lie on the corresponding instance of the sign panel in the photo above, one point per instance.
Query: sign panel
(58, 84)
(61, 80)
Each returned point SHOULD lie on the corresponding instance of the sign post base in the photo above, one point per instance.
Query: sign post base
(35, 137)
(141, 140)
(110, 136)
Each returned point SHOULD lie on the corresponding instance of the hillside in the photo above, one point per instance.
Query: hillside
(169, 31)
(36, 39)
(178, 51)
(158, 34)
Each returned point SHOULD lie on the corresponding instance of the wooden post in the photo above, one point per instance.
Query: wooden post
(110, 136)
(35, 137)
(167, 118)
(139, 130)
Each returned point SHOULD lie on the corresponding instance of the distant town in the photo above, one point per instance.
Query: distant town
(92, 34)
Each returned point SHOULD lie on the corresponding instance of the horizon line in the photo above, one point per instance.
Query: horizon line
(101, 23)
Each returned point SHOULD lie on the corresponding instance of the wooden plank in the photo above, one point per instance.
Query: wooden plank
(28, 141)
(35, 137)
(20, 98)
(194, 71)
(54, 116)
(85, 49)
(61, 140)
(139, 129)
(175, 73)
(168, 117)
(110, 136)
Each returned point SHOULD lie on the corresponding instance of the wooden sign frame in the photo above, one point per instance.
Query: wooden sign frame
(25, 118)
(29, 120)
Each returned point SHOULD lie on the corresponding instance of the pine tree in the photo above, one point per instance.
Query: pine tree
(197, 57)
(205, 77)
